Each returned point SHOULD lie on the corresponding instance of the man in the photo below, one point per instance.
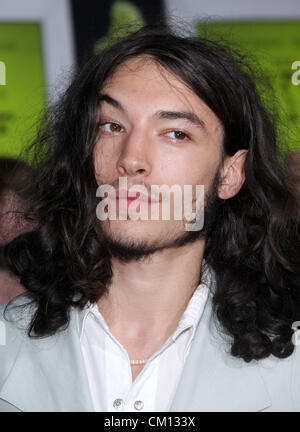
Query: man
(127, 314)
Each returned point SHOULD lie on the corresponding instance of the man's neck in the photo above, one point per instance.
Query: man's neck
(147, 298)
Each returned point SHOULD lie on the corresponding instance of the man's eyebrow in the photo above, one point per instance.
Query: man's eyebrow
(185, 115)
(110, 101)
(169, 115)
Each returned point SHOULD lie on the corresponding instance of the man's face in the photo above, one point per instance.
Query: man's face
(154, 131)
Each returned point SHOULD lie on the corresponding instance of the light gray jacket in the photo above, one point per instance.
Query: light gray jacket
(48, 374)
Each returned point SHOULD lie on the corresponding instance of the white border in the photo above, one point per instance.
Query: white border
(57, 36)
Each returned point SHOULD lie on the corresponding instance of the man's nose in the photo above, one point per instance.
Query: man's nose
(134, 158)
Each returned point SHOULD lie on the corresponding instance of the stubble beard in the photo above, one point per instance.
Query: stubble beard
(128, 250)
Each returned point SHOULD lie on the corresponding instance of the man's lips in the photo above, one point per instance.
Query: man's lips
(139, 196)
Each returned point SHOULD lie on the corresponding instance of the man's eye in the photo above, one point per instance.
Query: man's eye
(178, 135)
(110, 127)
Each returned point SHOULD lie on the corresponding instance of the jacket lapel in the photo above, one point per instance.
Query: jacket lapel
(213, 380)
(48, 374)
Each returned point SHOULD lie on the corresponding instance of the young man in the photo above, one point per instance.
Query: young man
(126, 314)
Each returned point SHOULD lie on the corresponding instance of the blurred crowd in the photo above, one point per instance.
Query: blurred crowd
(14, 175)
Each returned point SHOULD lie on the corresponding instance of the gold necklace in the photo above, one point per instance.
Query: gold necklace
(137, 362)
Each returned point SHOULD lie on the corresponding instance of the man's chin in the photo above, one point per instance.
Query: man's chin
(137, 240)
(130, 251)
(137, 249)
(128, 244)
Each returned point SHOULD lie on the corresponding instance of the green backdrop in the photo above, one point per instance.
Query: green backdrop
(23, 96)
(276, 46)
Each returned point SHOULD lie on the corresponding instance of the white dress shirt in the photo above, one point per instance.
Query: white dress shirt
(108, 365)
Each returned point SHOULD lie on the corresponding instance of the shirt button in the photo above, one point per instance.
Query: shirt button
(138, 405)
(118, 403)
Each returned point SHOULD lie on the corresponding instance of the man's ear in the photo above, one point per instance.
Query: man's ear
(232, 175)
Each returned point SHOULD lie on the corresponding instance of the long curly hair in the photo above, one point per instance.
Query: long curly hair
(65, 263)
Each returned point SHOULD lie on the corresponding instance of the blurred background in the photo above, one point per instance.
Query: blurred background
(42, 43)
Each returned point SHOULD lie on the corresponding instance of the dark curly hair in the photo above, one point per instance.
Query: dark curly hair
(65, 262)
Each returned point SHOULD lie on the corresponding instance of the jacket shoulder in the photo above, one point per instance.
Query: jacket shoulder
(282, 380)
(15, 318)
